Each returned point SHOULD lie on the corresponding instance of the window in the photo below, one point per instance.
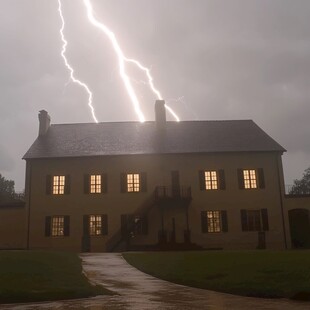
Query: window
(214, 224)
(57, 226)
(95, 184)
(133, 182)
(251, 178)
(95, 225)
(254, 220)
(214, 221)
(212, 180)
(58, 184)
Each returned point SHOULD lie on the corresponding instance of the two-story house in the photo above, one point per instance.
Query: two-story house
(108, 186)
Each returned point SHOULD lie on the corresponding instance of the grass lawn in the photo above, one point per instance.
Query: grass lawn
(247, 273)
(38, 276)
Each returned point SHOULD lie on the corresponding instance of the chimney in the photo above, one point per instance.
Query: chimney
(160, 114)
(44, 122)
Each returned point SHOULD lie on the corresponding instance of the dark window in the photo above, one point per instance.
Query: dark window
(254, 220)
(134, 225)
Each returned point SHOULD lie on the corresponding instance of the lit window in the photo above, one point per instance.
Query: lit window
(214, 224)
(58, 184)
(133, 182)
(211, 180)
(95, 184)
(95, 225)
(57, 226)
(249, 177)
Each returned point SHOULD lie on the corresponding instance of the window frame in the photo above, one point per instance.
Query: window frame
(57, 226)
(250, 178)
(96, 220)
(254, 220)
(215, 181)
(49, 226)
(211, 180)
(95, 184)
(214, 221)
(210, 223)
(60, 186)
(133, 182)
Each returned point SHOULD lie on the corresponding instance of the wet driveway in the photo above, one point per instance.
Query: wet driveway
(136, 290)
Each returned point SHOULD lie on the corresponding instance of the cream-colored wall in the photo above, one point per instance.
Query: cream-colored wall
(12, 227)
(158, 169)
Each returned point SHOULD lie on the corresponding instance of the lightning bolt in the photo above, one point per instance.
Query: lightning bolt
(63, 55)
(121, 60)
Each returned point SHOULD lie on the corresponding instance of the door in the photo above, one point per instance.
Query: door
(300, 228)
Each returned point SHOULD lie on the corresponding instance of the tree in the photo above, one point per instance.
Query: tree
(7, 191)
(302, 186)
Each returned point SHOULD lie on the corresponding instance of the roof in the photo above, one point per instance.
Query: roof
(124, 138)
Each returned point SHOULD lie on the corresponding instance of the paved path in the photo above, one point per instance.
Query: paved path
(136, 290)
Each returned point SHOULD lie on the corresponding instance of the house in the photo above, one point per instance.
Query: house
(132, 185)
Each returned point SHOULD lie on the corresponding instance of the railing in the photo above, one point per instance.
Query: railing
(292, 190)
(166, 192)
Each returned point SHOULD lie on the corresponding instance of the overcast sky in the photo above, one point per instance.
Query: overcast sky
(211, 60)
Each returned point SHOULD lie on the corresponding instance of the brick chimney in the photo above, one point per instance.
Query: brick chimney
(44, 122)
(160, 114)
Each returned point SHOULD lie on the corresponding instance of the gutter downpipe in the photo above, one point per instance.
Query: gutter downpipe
(281, 200)
(29, 202)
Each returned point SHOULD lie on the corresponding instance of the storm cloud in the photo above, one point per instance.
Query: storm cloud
(211, 60)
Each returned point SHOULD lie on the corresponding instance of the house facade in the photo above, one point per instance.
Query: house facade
(155, 185)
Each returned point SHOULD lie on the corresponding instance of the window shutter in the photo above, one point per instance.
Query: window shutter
(222, 182)
(86, 184)
(240, 178)
(244, 222)
(123, 183)
(144, 225)
(204, 222)
(48, 184)
(224, 221)
(143, 182)
(265, 222)
(261, 178)
(85, 225)
(48, 220)
(124, 224)
(67, 184)
(104, 183)
(202, 182)
(104, 224)
(66, 225)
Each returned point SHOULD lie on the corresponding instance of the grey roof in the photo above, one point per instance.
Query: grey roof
(122, 138)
